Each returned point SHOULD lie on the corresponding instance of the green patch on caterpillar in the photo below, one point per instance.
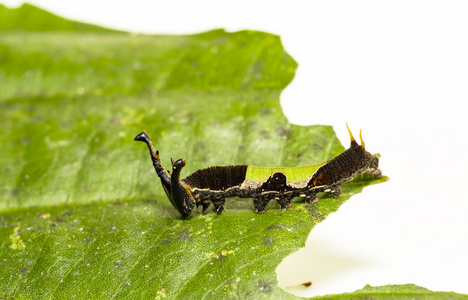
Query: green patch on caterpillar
(295, 175)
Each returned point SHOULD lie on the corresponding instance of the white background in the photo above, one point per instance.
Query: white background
(396, 69)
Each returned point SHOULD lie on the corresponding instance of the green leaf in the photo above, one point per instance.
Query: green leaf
(31, 18)
(81, 212)
(398, 292)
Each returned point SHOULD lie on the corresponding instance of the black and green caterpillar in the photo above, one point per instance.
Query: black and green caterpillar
(215, 184)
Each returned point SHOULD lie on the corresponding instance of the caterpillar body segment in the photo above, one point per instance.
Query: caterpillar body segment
(215, 184)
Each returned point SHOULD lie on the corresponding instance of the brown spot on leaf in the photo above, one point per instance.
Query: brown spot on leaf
(67, 213)
(285, 132)
(222, 255)
(119, 264)
(277, 226)
(25, 141)
(317, 147)
(265, 134)
(315, 213)
(264, 286)
(184, 236)
(267, 240)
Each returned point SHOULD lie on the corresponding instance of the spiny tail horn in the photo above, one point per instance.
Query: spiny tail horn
(363, 146)
(353, 141)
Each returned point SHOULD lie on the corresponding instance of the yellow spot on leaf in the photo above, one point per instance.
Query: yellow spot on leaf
(16, 242)
(225, 253)
(161, 294)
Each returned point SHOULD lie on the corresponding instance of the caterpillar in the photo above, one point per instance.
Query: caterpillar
(215, 184)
